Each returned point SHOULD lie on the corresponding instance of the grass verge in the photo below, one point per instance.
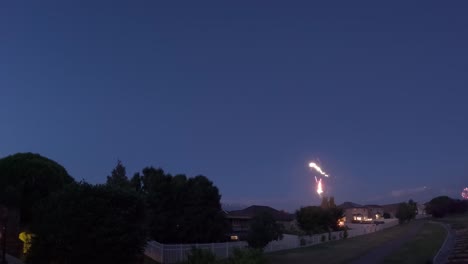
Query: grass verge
(422, 248)
(341, 251)
(459, 221)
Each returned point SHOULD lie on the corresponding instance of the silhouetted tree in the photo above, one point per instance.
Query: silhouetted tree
(413, 209)
(135, 182)
(118, 177)
(312, 219)
(263, 229)
(181, 209)
(443, 205)
(88, 224)
(335, 214)
(406, 211)
(325, 204)
(26, 179)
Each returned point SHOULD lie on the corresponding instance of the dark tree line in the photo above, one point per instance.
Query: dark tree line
(86, 223)
(180, 209)
(110, 223)
(444, 205)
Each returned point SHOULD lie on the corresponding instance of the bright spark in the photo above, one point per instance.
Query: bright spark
(319, 186)
(317, 168)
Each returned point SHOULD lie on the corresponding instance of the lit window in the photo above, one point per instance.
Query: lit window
(234, 238)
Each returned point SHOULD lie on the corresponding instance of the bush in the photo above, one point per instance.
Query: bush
(247, 256)
(86, 223)
(345, 233)
(386, 215)
(263, 229)
(200, 256)
(302, 241)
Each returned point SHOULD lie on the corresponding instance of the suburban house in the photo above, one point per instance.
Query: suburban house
(356, 213)
(239, 220)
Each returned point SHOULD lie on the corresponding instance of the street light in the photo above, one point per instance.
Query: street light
(4, 220)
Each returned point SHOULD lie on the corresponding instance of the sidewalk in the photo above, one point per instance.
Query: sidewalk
(442, 255)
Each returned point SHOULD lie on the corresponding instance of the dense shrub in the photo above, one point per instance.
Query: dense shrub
(302, 242)
(91, 224)
(200, 256)
(247, 256)
(443, 205)
(263, 229)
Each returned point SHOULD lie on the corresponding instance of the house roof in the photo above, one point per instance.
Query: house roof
(255, 210)
(348, 205)
(373, 206)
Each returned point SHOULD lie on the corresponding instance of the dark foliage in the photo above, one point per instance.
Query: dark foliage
(26, 179)
(181, 209)
(247, 256)
(263, 229)
(406, 211)
(88, 224)
(314, 219)
(200, 256)
(443, 205)
(118, 177)
(386, 215)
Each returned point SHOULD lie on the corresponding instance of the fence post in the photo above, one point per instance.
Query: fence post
(180, 248)
(162, 253)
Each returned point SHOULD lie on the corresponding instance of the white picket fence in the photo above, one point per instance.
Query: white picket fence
(173, 253)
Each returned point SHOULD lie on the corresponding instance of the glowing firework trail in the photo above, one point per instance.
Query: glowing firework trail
(317, 168)
(464, 194)
(319, 186)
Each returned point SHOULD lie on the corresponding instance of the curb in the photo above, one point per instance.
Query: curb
(447, 227)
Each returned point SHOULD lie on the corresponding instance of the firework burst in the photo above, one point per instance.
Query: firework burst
(464, 193)
(318, 181)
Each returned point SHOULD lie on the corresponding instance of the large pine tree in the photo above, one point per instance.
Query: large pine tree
(118, 177)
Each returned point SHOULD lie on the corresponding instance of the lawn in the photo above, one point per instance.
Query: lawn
(459, 221)
(342, 251)
(422, 248)
(148, 260)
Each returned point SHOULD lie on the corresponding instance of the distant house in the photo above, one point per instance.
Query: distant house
(239, 220)
(356, 213)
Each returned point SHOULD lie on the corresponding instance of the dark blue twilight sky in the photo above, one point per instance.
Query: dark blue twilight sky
(245, 93)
